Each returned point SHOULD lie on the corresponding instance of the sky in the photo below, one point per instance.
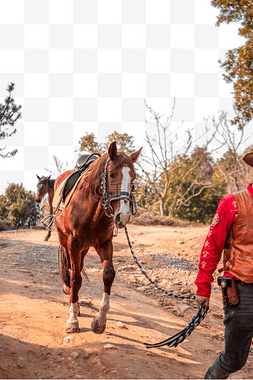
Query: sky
(88, 66)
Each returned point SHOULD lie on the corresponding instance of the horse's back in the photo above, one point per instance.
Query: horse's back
(61, 178)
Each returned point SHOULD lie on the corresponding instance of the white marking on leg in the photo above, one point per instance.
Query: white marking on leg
(73, 312)
(103, 309)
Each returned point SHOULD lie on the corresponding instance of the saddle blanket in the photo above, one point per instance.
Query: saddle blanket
(58, 196)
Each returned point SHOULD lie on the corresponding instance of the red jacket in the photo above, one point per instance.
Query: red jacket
(214, 244)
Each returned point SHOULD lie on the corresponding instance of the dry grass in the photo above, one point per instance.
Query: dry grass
(148, 219)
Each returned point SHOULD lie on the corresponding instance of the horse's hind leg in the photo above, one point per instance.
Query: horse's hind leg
(72, 324)
(65, 270)
(99, 322)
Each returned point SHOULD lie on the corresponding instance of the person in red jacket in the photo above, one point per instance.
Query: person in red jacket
(232, 231)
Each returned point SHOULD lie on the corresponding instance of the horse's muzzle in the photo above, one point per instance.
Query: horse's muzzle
(121, 220)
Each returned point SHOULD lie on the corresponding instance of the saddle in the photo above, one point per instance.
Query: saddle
(64, 192)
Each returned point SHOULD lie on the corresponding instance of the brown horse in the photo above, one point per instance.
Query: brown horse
(101, 200)
(45, 186)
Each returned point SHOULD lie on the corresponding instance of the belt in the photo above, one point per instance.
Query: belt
(244, 283)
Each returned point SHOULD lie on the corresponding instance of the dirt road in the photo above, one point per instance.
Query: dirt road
(34, 310)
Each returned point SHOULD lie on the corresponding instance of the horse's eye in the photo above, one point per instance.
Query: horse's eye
(112, 175)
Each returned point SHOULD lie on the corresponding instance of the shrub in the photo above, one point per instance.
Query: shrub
(18, 208)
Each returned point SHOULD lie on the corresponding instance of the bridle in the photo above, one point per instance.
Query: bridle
(122, 195)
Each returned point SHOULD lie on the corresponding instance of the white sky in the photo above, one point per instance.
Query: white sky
(185, 36)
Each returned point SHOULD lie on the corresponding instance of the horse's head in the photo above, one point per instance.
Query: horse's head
(42, 187)
(120, 176)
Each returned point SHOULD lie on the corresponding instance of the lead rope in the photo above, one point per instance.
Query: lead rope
(150, 280)
(198, 317)
(178, 338)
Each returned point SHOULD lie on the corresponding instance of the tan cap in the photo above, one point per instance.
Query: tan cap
(248, 158)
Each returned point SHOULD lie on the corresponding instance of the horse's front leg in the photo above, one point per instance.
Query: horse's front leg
(50, 200)
(48, 236)
(105, 253)
(72, 324)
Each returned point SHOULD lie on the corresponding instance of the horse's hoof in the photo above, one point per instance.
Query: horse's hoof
(46, 239)
(96, 328)
(66, 289)
(72, 327)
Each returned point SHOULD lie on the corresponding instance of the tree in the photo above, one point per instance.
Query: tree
(230, 167)
(239, 61)
(202, 201)
(89, 144)
(124, 142)
(174, 177)
(9, 114)
(60, 166)
(18, 207)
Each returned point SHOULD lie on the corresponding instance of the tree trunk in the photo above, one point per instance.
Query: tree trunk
(161, 207)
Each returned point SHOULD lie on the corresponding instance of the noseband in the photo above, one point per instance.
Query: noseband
(122, 195)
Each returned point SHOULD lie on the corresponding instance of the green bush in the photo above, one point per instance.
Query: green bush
(18, 208)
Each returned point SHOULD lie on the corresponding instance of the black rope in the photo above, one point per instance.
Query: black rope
(180, 337)
(198, 317)
(150, 280)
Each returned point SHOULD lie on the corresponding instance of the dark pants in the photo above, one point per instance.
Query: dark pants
(238, 323)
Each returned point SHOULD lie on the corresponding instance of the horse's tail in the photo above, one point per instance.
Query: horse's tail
(65, 269)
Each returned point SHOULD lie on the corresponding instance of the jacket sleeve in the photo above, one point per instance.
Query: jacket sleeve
(215, 241)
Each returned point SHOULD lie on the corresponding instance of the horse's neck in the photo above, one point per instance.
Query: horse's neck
(51, 183)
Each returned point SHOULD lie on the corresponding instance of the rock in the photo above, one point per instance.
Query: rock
(142, 288)
(180, 242)
(86, 355)
(183, 308)
(216, 315)
(110, 347)
(85, 302)
(184, 290)
(148, 353)
(126, 268)
(75, 354)
(121, 325)
(68, 339)
(142, 280)
(164, 283)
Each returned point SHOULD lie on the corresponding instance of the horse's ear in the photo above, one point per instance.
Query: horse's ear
(134, 156)
(37, 176)
(112, 151)
(48, 177)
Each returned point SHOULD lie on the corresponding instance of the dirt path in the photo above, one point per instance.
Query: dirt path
(34, 310)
